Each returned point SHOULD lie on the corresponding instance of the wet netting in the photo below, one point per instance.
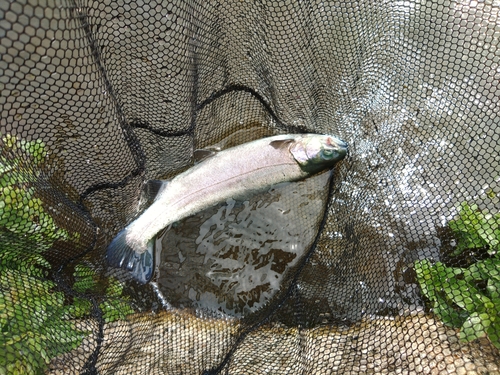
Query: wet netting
(386, 263)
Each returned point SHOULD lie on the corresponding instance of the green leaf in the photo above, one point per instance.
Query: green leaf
(448, 315)
(78, 309)
(462, 294)
(35, 148)
(35, 318)
(475, 326)
(460, 297)
(493, 288)
(480, 270)
(476, 229)
(32, 322)
(115, 309)
(84, 279)
(115, 288)
(426, 277)
(34, 327)
(493, 332)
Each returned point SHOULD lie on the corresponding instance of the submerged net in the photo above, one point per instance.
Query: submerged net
(390, 266)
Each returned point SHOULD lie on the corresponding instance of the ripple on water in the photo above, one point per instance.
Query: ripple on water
(232, 259)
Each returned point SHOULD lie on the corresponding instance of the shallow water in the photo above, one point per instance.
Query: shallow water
(232, 259)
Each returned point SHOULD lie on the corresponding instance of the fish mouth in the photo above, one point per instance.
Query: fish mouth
(339, 144)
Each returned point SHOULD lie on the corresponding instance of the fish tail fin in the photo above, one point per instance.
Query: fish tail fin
(120, 254)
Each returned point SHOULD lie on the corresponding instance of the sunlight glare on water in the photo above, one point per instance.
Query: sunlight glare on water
(232, 259)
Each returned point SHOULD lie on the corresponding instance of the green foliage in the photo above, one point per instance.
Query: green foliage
(468, 297)
(36, 321)
(114, 307)
(476, 229)
(20, 211)
(32, 330)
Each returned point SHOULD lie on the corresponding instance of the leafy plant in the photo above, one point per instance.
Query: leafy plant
(114, 307)
(468, 297)
(36, 321)
(476, 229)
(32, 331)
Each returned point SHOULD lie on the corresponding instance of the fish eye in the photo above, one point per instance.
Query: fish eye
(327, 153)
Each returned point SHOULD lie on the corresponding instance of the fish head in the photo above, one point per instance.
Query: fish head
(316, 152)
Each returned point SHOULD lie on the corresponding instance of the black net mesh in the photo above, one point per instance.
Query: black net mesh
(389, 266)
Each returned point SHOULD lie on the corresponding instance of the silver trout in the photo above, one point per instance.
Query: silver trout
(233, 173)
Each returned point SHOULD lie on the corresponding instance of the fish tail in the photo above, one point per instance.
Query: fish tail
(120, 254)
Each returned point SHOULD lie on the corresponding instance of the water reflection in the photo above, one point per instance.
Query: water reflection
(232, 259)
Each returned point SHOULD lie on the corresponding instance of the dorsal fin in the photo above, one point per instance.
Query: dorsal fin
(202, 154)
(281, 143)
(151, 190)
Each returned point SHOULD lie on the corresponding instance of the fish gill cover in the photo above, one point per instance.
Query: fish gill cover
(392, 267)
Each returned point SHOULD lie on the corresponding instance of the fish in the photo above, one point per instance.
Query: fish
(235, 173)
